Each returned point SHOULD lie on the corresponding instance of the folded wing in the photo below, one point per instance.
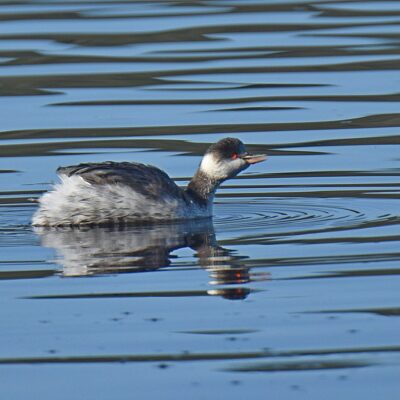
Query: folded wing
(144, 179)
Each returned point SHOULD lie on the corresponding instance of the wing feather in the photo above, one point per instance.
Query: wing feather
(145, 179)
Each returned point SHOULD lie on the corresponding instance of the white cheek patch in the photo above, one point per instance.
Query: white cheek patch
(219, 169)
(209, 165)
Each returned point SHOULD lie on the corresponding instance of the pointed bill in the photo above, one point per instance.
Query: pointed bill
(254, 158)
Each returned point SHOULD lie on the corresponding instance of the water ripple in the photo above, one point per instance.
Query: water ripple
(284, 214)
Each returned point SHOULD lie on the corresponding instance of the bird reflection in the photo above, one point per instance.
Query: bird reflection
(111, 250)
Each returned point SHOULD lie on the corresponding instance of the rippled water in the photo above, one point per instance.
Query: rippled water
(291, 291)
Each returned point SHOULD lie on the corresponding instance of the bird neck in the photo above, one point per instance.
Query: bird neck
(202, 188)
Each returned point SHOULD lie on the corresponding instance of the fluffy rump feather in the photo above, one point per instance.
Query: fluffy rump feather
(75, 201)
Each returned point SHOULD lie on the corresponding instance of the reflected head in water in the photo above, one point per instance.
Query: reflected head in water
(111, 250)
(112, 193)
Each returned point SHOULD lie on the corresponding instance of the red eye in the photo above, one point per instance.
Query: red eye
(234, 156)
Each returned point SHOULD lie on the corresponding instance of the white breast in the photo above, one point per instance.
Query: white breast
(76, 202)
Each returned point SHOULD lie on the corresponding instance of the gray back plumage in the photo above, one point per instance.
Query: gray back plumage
(144, 179)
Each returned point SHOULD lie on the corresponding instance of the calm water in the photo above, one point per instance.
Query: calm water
(293, 290)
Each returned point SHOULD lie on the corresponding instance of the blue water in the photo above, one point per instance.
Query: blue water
(292, 290)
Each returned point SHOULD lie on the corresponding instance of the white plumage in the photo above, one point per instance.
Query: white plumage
(77, 202)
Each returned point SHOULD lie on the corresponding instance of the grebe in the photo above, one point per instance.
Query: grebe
(111, 193)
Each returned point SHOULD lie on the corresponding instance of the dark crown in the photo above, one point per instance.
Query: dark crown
(226, 147)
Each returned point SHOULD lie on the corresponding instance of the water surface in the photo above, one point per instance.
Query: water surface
(292, 290)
